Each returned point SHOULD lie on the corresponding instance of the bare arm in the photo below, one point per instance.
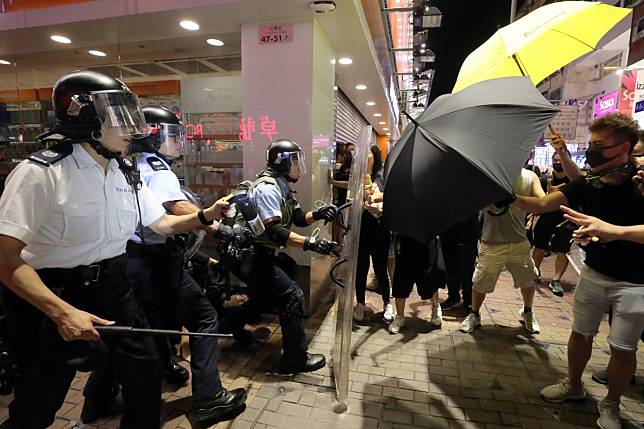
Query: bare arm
(559, 145)
(184, 207)
(537, 190)
(173, 224)
(546, 204)
(22, 279)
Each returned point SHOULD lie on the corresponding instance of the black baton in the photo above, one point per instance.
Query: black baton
(128, 330)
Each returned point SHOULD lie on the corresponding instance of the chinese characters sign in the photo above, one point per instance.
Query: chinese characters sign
(565, 122)
(247, 128)
(282, 33)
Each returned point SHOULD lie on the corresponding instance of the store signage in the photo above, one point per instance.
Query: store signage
(565, 122)
(606, 104)
(627, 92)
(267, 128)
(271, 34)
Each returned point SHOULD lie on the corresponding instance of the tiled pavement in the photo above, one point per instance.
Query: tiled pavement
(420, 378)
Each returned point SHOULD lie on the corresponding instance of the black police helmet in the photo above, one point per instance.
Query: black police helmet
(278, 155)
(160, 115)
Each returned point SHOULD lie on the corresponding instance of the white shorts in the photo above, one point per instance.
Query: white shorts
(595, 294)
(494, 257)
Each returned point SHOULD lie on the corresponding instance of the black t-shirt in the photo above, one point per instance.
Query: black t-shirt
(620, 205)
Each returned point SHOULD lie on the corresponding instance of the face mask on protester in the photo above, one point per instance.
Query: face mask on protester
(558, 167)
(595, 155)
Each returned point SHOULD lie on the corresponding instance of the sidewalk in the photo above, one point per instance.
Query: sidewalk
(420, 378)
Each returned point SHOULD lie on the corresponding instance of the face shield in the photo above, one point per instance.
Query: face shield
(298, 164)
(170, 139)
(120, 112)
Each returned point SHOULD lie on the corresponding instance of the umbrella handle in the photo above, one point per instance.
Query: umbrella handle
(335, 266)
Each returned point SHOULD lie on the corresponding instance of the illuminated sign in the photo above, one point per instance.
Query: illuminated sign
(271, 34)
(606, 104)
(267, 128)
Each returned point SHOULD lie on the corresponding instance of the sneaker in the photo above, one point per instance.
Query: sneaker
(530, 322)
(389, 313)
(373, 285)
(437, 316)
(358, 312)
(537, 273)
(600, 376)
(556, 288)
(471, 321)
(562, 391)
(397, 324)
(451, 303)
(608, 414)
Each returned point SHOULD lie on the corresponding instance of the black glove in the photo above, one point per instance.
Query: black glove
(224, 232)
(327, 212)
(319, 245)
(506, 201)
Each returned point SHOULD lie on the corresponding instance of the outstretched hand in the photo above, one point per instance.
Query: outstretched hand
(591, 229)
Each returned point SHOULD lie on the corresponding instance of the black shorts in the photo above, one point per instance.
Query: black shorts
(412, 263)
(547, 234)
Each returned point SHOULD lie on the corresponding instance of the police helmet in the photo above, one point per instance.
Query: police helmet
(282, 155)
(166, 133)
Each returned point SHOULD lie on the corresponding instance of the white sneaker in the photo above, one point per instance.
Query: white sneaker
(397, 324)
(470, 322)
(437, 316)
(530, 321)
(562, 391)
(358, 312)
(389, 313)
(608, 414)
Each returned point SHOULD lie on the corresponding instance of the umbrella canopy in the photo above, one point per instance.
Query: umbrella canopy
(541, 42)
(465, 152)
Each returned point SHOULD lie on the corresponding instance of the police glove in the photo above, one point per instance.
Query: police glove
(326, 213)
(224, 232)
(319, 245)
(506, 201)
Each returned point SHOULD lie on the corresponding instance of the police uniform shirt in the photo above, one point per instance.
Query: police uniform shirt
(268, 199)
(73, 212)
(157, 174)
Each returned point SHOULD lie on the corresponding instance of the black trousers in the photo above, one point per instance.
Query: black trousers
(374, 244)
(44, 381)
(460, 249)
(186, 305)
(270, 287)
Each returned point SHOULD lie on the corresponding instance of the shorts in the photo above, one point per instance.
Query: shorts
(595, 294)
(494, 257)
(412, 264)
(547, 235)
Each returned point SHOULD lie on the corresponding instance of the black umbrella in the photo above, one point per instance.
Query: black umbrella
(462, 154)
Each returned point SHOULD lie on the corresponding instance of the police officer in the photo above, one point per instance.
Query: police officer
(164, 288)
(268, 285)
(65, 218)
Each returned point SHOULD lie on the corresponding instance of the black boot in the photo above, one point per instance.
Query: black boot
(223, 406)
(305, 363)
(174, 373)
(97, 408)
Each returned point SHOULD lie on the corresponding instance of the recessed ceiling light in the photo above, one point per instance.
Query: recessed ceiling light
(371, 103)
(388, 134)
(335, 88)
(377, 115)
(60, 39)
(361, 87)
(382, 123)
(385, 129)
(333, 61)
(5, 62)
(189, 25)
(345, 61)
(97, 53)
(215, 42)
(207, 89)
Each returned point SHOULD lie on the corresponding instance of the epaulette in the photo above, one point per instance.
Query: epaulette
(156, 164)
(52, 155)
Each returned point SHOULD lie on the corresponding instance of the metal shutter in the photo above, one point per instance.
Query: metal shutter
(348, 120)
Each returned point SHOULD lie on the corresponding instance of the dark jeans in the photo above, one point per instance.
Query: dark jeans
(43, 384)
(270, 287)
(374, 243)
(460, 248)
(187, 306)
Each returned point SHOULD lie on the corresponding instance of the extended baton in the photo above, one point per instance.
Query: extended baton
(128, 330)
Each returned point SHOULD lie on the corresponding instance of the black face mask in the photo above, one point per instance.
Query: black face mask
(557, 167)
(595, 155)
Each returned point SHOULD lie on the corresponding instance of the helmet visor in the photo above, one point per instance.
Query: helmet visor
(121, 111)
(170, 138)
(298, 160)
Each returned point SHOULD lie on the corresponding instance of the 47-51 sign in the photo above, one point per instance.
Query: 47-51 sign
(282, 33)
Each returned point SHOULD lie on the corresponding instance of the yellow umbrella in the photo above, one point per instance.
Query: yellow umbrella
(541, 42)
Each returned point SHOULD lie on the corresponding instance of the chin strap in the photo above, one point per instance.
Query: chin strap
(622, 169)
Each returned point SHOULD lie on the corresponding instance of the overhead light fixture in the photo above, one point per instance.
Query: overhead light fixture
(333, 61)
(377, 115)
(60, 39)
(361, 87)
(345, 61)
(385, 129)
(215, 42)
(207, 89)
(371, 103)
(5, 62)
(189, 25)
(97, 53)
(388, 134)
(335, 88)
(382, 123)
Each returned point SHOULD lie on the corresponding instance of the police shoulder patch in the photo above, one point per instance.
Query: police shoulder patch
(51, 155)
(156, 163)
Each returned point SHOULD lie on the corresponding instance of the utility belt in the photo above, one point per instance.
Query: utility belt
(139, 249)
(85, 275)
(168, 260)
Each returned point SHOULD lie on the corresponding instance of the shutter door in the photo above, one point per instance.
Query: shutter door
(348, 120)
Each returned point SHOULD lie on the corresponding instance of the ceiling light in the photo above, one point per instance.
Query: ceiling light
(382, 123)
(333, 61)
(207, 89)
(189, 25)
(385, 129)
(97, 53)
(388, 134)
(377, 115)
(5, 62)
(215, 42)
(345, 61)
(361, 87)
(60, 39)
(371, 103)
(335, 88)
